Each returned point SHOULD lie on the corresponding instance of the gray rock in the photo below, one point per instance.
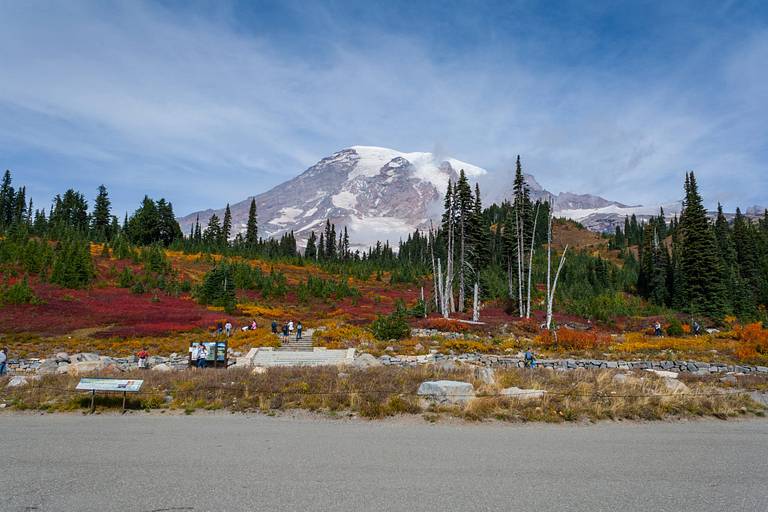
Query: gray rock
(85, 367)
(729, 379)
(62, 368)
(366, 361)
(62, 357)
(162, 367)
(17, 381)
(86, 356)
(447, 391)
(676, 387)
(47, 367)
(487, 375)
(523, 394)
(620, 378)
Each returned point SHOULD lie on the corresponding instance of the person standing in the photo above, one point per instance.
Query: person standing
(696, 328)
(299, 328)
(4, 361)
(228, 328)
(202, 355)
(657, 329)
(285, 330)
(530, 358)
(290, 327)
(143, 355)
(274, 326)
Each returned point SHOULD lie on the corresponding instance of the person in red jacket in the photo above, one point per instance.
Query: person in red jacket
(143, 355)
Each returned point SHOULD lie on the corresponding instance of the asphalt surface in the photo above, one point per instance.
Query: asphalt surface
(231, 462)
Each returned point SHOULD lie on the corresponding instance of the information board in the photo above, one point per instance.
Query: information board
(121, 385)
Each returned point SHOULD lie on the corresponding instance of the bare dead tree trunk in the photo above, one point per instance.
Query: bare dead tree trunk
(423, 303)
(519, 263)
(549, 257)
(530, 261)
(462, 297)
(441, 294)
(551, 298)
(435, 272)
(476, 304)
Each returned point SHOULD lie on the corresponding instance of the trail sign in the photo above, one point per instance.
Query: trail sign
(109, 385)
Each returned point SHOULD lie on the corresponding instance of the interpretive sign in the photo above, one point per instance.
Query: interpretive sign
(109, 385)
(117, 385)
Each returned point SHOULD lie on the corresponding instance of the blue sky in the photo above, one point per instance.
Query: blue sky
(208, 102)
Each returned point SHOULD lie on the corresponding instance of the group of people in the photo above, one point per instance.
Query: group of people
(288, 328)
(659, 332)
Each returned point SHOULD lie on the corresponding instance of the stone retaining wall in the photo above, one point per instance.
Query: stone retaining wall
(517, 362)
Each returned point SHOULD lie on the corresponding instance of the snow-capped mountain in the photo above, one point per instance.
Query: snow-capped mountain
(384, 194)
(377, 193)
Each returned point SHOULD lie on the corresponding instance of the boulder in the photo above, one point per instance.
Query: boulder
(523, 394)
(62, 368)
(447, 391)
(365, 361)
(62, 357)
(676, 387)
(729, 379)
(47, 367)
(162, 367)
(17, 381)
(665, 374)
(156, 360)
(80, 367)
(486, 375)
(86, 356)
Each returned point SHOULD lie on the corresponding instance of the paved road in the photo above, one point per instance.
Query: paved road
(232, 462)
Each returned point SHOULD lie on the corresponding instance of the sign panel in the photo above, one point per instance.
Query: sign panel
(122, 385)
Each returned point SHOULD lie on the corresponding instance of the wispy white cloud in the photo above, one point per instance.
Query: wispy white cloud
(203, 112)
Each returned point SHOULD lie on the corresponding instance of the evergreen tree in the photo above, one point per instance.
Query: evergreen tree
(212, 234)
(226, 227)
(7, 196)
(704, 289)
(311, 251)
(101, 220)
(252, 229)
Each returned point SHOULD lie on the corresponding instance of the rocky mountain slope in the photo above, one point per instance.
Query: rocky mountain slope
(384, 194)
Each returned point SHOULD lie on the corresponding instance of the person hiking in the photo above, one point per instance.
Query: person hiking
(529, 358)
(253, 325)
(200, 355)
(290, 327)
(299, 328)
(696, 328)
(657, 329)
(274, 326)
(219, 328)
(4, 361)
(228, 328)
(285, 330)
(143, 355)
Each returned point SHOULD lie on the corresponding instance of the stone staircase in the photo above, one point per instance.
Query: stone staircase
(302, 345)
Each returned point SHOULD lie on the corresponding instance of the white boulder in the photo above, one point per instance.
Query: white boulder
(447, 391)
(523, 394)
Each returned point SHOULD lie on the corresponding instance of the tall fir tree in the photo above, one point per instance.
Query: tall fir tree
(101, 219)
(704, 289)
(252, 228)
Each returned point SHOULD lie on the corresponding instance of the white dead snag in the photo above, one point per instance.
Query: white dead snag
(551, 298)
(519, 231)
(440, 293)
(462, 255)
(435, 272)
(423, 304)
(530, 260)
(476, 304)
